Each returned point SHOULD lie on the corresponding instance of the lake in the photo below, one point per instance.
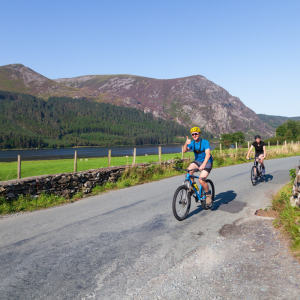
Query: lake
(45, 154)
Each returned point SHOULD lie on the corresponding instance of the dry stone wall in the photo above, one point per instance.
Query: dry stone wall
(66, 184)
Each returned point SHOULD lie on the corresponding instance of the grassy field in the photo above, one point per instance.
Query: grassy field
(8, 170)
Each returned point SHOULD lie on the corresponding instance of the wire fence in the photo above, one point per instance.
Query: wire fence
(22, 169)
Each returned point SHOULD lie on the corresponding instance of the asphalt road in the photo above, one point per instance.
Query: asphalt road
(109, 246)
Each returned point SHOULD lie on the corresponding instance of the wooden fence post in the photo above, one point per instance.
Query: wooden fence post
(19, 166)
(269, 145)
(248, 145)
(109, 157)
(159, 154)
(285, 144)
(277, 145)
(75, 161)
(236, 148)
(134, 156)
(220, 148)
(181, 152)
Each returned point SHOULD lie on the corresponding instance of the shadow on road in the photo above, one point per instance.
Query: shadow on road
(196, 211)
(220, 199)
(268, 177)
(223, 198)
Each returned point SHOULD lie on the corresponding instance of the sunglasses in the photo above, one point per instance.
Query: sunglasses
(193, 134)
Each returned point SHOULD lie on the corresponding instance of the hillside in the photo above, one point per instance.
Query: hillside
(27, 121)
(275, 121)
(20, 79)
(189, 101)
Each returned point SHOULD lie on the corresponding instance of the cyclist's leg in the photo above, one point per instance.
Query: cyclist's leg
(202, 180)
(262, 162)
(193, 165)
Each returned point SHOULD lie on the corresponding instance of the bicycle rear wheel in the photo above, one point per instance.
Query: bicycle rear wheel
(211, 187)
(254, 175)
(181, 203)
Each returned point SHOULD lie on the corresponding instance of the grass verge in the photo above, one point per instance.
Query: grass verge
(288, 217)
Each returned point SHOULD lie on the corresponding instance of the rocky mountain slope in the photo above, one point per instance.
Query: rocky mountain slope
(20, 79)
(190, 101)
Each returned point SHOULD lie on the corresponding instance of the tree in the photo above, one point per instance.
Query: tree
(227, 143)
(289, 135)
(281, 130)
(236, 137)
(294, 126)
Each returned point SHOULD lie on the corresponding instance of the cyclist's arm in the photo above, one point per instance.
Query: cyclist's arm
(249, 151)
(265, 151)
(207, 157)
(185, 147)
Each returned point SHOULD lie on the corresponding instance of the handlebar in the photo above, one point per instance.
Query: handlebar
(255, 158)
(186, 170)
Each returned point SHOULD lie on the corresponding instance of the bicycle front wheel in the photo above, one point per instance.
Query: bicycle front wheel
(254, 175)
(181, 203)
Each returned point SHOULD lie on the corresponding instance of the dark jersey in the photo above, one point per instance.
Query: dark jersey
(259, 149)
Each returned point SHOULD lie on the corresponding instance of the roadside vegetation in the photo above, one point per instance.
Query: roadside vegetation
(288, 219)
(131, 177)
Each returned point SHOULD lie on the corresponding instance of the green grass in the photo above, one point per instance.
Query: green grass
(8, 170)
(26, 203)
(288, 216)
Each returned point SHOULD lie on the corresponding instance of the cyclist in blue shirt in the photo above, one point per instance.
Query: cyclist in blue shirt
(203, 159)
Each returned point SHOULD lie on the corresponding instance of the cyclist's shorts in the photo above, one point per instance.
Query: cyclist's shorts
(257, 154)
(208, 166)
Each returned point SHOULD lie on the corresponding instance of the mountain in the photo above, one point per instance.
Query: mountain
(27, 121)
(275, 121)
(20, 79)
(189, 101)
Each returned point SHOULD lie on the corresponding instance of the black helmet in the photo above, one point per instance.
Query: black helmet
(257, 137)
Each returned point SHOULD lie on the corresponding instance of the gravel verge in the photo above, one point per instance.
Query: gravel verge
(249, 260)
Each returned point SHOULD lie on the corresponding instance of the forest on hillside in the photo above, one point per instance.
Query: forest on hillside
(29, 122)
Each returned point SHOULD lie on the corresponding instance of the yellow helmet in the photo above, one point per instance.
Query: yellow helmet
(195, 129)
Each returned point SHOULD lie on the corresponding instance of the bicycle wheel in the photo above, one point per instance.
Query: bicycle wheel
(262, 175)
(211, 187)
(181, 203)
(254, 175)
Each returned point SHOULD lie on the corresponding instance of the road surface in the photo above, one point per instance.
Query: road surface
(109, 246)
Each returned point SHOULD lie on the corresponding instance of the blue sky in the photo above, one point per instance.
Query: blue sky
(250, 48)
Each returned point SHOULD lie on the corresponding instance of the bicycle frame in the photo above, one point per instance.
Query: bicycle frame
(188, 178)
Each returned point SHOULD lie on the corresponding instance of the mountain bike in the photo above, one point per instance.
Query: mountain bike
(256, 171)
(182, 198)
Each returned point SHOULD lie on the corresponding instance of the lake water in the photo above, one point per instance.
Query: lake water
(45, 154)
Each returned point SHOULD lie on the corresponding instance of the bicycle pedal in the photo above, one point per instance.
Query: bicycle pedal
(196, 198)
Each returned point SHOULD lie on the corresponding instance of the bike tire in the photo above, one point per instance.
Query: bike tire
(182, 193)
(211, 187)
(253, 175)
